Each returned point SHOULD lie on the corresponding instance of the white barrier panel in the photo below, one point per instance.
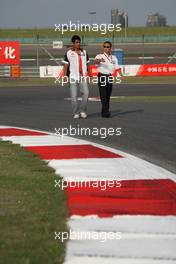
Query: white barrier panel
(5, 71)
(57, 44)
(130, 70)
(50, 71)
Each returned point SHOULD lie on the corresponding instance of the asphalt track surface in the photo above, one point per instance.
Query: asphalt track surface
(148, 128)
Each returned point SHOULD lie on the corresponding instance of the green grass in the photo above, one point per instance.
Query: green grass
(50, 33)
(150, 80)
(23, 82)
(149, 99)
(151, 31)
(31, 209)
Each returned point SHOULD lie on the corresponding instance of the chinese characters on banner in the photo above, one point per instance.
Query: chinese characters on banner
(10, 53)
(157, 70)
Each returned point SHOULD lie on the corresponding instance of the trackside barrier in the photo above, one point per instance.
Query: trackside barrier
(5, 71)
(152, 70)
(30, 72)
(127, 70)
(144, 70)
(89, 40)
(15, 71)
(51, 71)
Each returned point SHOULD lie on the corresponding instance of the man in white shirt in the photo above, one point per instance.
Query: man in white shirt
(107, 64)
(76, 62)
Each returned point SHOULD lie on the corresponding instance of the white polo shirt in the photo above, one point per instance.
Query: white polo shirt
(72, 59)
(110, 64)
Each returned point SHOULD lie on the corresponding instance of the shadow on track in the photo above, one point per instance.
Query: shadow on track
(117, 113)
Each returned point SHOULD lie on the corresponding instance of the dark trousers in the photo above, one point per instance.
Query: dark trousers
(105, 89)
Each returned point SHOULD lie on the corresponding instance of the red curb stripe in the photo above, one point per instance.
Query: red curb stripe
(109, 207)
(8, 132)
(144, 197)
(135, 197)
(71, 152)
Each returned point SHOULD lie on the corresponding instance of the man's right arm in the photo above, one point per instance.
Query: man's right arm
(65, 66)
(65, 69)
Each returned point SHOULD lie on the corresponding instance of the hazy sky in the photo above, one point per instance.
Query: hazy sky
(46, 13)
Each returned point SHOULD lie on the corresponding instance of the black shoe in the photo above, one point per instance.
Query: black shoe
(106, 115)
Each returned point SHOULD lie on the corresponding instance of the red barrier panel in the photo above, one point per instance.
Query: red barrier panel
(157, 70)
(10, 52)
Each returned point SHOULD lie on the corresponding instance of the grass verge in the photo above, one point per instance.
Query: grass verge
(51, 33)
(21, 82)
(149, 99)
(31, 210)
(150, 80)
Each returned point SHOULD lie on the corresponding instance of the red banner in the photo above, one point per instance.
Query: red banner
(10, 52)
(157, 70)
(143, 70)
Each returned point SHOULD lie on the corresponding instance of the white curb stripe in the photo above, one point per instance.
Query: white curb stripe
(151, 247)
(87, 168)
(49, 140)
(127, 223)
(111, 168)
(98, 260)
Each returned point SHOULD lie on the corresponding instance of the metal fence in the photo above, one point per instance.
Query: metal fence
(29, 72)
(88, 40)
(5, 71)
(25, 72)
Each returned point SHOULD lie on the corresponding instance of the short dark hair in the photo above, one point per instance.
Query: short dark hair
(108, 42)
(74, 38)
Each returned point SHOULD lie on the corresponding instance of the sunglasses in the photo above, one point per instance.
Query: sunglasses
(108, 47)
